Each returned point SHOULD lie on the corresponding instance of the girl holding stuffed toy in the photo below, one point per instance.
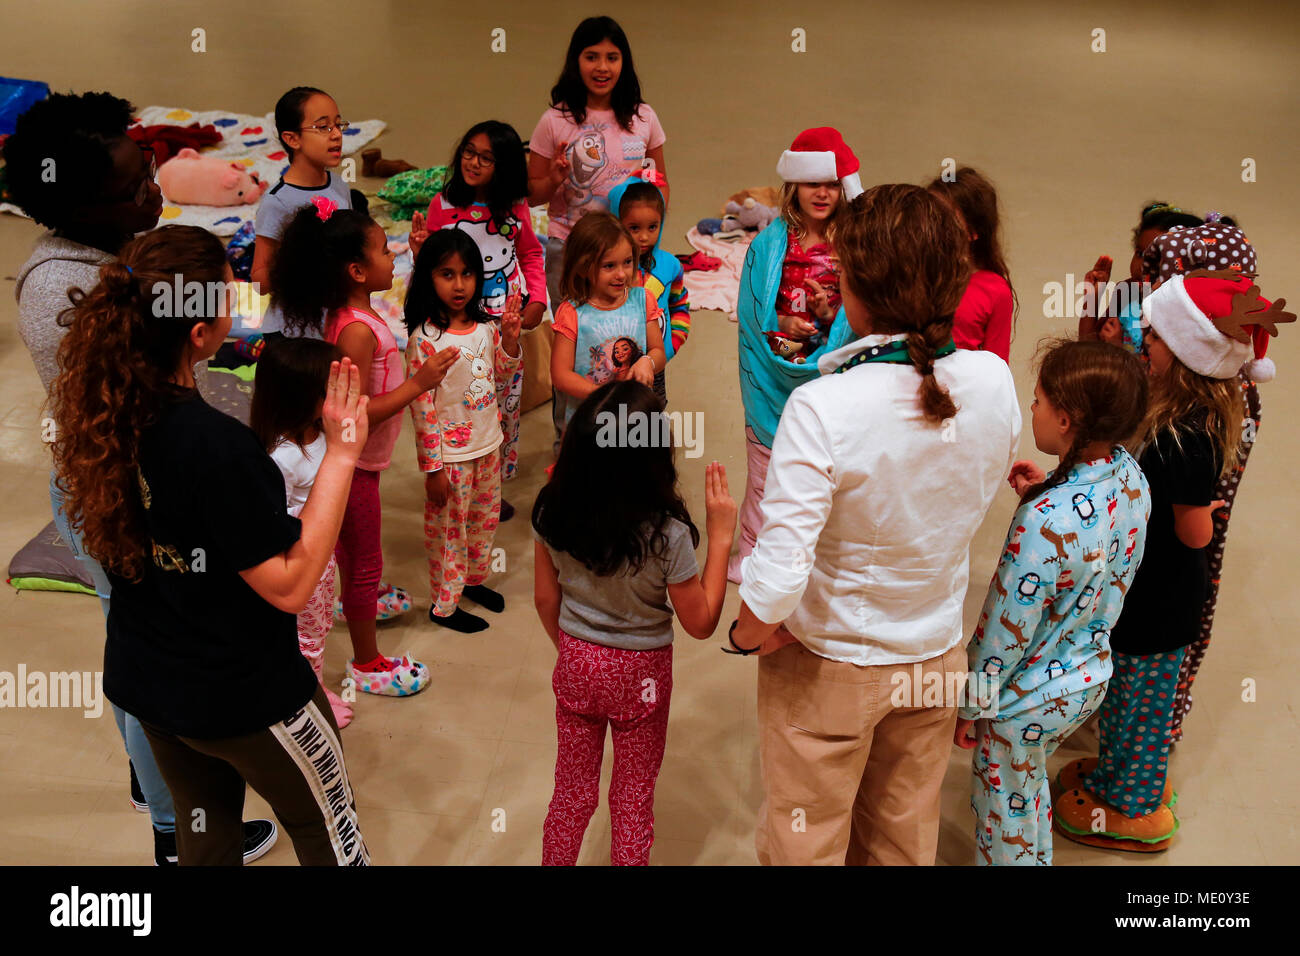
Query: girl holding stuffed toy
(789, 304)
(330, 263)
(458, 429)
(1197, 335)
(487, 197)
(1044, 634)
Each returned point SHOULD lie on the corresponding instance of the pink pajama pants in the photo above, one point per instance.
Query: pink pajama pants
(317, 618)
(757, 458)
(361, 562)
(629, 690)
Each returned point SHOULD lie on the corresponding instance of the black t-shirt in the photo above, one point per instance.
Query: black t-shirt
(1162, 610)
(192, 649)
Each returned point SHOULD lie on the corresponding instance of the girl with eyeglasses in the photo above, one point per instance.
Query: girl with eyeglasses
(487, 198)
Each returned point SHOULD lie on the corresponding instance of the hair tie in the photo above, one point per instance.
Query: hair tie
(128, 269)
(324, 207)
(1213, 216)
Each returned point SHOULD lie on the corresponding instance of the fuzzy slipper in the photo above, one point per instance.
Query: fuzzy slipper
(403, 677)
(1076, 809)
(1070, 777)
(391, 603)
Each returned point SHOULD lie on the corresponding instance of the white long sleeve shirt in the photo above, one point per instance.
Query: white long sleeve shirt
(869, 509)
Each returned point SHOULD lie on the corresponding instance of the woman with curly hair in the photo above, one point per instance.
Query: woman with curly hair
(186, 512)
(71, 166)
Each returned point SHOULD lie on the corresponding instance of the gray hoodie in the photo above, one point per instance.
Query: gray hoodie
(55, 266)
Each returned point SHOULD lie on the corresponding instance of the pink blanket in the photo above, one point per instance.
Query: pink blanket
(717, 289)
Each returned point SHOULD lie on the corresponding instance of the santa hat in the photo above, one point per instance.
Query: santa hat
(820, 155)
(1216, 324)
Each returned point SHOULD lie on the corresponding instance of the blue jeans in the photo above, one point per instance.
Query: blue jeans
(137, 745)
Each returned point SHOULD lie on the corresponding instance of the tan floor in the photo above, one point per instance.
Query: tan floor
(433, 773)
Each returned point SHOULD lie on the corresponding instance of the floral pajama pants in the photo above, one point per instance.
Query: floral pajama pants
(509, 395)
(1009, 791)
(316, 619)
(628, 690)
(458, 536)
(1135, 720)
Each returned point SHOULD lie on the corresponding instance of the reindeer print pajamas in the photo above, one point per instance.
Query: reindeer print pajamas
(458, 429)
(1043, 641)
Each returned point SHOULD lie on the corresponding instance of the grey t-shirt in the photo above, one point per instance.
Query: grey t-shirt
(280, 204)
(621, 610)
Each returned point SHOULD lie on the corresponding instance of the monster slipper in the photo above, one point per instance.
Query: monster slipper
(1076, 809)
(1071, 776)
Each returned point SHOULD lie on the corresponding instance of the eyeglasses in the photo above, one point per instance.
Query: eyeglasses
(486, 160)
(327, 128)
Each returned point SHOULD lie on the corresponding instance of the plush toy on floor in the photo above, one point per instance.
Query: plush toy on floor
(374, 164)
(750, 215)
(191, 179)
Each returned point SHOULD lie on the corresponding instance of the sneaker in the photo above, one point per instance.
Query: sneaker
(402, 678)
(259, 837)
(137, 795)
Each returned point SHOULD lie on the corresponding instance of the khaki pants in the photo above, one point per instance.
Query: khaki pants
(849, 778)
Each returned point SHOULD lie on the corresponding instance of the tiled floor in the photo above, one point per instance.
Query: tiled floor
(462, 773)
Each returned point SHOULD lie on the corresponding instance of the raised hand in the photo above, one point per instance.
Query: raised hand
(511, 323)
(343, 415)
(719, 506)
(419, 233)
(560, 164)
(820, 305)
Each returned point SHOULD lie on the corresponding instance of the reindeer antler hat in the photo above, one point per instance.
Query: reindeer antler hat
(1215, 322)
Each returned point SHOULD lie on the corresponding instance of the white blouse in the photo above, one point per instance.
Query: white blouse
(869, 509)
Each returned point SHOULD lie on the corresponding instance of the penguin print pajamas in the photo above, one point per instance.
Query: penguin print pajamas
(1044, 642)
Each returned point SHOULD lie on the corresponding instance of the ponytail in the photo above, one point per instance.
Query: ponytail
(310, 274)
(124, 344)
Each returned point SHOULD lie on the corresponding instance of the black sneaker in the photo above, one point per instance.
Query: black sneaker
(137, 795)
(259, 837)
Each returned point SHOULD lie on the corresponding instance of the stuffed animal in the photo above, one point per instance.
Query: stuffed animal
(785, 347)
(188, 178)
(752, 214)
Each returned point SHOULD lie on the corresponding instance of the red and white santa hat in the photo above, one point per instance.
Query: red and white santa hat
(820, 155)
(1205, 321)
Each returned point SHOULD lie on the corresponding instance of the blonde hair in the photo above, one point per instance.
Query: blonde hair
(592, 236)
(797, 220)
(1180, 396)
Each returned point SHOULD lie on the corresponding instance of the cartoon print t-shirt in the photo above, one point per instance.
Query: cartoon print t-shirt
(601, 155)
(605, 341)
(460, 419)
(513, 260)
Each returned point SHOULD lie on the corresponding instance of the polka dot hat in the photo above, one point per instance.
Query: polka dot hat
(1211, 246)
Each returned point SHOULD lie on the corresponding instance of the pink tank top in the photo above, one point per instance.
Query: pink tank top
(387, 371)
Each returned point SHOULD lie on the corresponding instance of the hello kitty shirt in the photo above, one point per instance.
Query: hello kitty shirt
(460, 419)
(513, 259)
(601, 155)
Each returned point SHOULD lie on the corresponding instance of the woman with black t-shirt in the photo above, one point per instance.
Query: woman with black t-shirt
(187, 514)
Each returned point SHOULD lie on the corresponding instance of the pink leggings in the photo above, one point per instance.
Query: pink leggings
(361, 563)
(757, 458)
(595, 685)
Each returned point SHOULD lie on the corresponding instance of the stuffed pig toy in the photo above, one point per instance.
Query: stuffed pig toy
(189, 178)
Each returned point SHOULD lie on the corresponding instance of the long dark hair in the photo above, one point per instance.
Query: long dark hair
(569, 92)
(977, 201)
(309, 276)
(126, 340)
(288, 112)
(603, 494)
(903, 254)
(1102, 388)
(422, 302)
(509, 182)
(292, 376)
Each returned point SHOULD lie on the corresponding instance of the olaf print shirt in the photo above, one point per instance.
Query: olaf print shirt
(1067, 564)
